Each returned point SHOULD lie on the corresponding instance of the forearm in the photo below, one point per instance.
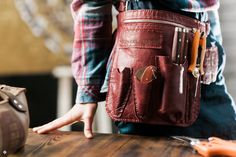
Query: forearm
(92, 46)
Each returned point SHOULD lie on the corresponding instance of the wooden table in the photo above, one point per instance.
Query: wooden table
(74, 144)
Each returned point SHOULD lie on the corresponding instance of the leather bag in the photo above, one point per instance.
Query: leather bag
(167, 94)
(14, 119)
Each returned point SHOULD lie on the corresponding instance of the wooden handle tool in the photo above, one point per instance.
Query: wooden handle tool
(194, 52)
(202, 43)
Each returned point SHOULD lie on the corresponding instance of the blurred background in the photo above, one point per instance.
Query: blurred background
(35, 49)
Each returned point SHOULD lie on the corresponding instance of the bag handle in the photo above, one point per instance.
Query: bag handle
(13, 101)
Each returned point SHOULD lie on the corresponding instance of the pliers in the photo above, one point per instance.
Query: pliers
(211, 147)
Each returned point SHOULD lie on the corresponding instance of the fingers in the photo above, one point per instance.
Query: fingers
(88, 117)
(48, 127)
(79, 112)
(88, 133)
(60, 122)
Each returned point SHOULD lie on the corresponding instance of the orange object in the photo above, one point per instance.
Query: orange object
(211, 147)
(202, 43)
(194, 51)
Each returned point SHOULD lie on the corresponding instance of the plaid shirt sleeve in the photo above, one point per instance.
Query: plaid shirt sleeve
(91, 48)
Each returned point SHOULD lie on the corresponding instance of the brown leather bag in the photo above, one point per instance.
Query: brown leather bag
(167, 94)
(14, 119)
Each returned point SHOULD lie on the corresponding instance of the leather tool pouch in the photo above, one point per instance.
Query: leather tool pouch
(145, 86)
(14, 119)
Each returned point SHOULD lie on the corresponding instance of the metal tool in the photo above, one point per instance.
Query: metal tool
(194, 55)
(197, 70)
(198, 46)
(179, 45)
(174, 45)
(196, 64)
(211, 147)
(181, 80)
(147, 74)
(183, 45)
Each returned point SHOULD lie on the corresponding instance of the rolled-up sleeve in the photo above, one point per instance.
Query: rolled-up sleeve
(91, 48)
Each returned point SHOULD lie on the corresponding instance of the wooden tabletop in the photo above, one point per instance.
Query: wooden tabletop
(74, 144)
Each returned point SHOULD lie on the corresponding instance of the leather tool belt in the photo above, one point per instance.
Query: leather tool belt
(14, 119)
(157, 65)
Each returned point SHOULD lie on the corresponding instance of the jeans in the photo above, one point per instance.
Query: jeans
(217, 110)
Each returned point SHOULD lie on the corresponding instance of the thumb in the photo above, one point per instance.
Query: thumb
(88, 127)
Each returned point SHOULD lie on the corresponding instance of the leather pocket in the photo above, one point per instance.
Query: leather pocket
(119, 90)
(147, 94)
(193, 99)
(174, 88)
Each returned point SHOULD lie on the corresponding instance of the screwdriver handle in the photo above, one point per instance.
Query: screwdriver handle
(194, 51)
(216, 146)
(202, 43)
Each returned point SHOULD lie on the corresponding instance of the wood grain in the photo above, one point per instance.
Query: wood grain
(73, 144)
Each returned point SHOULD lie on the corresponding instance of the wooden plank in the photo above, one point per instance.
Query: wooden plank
(140, 146)
(72, 144)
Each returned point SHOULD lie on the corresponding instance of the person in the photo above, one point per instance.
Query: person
(92, 47)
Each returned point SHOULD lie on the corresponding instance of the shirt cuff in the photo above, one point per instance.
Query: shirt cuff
(86, 95)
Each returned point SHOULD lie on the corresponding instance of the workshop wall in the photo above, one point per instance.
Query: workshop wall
(228, 24)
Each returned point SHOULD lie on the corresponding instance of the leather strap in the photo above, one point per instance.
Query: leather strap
(13, 101)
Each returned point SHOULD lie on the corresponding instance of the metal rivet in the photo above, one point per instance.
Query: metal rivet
(15, 101)
(4, 152)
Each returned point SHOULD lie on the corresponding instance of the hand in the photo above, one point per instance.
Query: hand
(79, 112)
